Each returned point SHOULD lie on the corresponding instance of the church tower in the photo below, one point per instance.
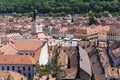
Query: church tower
(37, 26)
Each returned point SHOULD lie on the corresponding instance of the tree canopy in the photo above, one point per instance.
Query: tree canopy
(53, 68)
(60, 7)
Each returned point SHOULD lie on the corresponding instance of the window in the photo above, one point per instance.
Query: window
(50, 42)
(18, 67)
(24, 74)
(23, 68)
(7, 67)
(29, 68)
(26, 53)
(3, 68)
(30, 53)
(13, 68)
(29, 75)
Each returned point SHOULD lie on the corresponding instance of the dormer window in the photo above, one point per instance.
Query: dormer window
(26, 53)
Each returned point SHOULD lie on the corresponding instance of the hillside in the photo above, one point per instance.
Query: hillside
(60, 7)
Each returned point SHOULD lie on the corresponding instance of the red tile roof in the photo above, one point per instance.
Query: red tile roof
(16, 59)
(28, 45)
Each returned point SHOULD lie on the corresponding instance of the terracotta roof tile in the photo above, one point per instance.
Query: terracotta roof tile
(14, 75)
(28, 45)
(92, 30)
(16, 59)
(8, 49)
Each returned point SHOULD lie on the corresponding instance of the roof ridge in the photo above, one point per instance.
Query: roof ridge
(33, 60)
(13, 46)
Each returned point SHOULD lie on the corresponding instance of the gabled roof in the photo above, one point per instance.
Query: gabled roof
(91, 30)
(8, 52)
(8, 49)
(14, 75)
(17, 59)
(27, 45)
(84, 61)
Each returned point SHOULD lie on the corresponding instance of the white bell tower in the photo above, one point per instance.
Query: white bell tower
(37, 25)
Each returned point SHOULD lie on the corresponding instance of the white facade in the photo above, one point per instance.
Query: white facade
(102, 36)
(69, 43)
(44, 56)
(54, 42)
(113, 36)
(117, 38)
(37, 27)
(26, 70)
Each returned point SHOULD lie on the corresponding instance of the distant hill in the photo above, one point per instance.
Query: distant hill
(60, 7)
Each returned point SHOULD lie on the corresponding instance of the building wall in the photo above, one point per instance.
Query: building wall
(39, 28)
(102, 36)
(118, 38)
(113, 37)
(85, 36)
(44, 56)
(26, 70)
(0, 41)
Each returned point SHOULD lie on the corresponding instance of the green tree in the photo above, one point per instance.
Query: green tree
(92, 20)
(9, 78)
(59, 6)
(52, 68)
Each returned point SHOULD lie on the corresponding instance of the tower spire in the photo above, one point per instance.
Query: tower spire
(35, 11)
